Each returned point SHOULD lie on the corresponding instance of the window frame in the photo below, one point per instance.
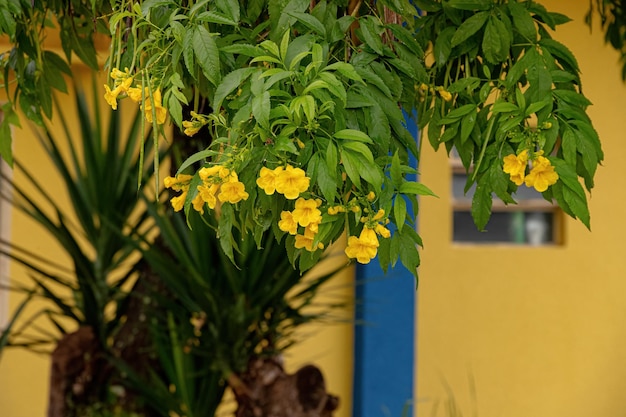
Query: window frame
(530, 205)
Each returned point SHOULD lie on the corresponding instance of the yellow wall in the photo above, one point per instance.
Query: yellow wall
(539, 331)
(24, 375)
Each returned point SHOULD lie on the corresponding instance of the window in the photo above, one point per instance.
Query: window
(532, 221)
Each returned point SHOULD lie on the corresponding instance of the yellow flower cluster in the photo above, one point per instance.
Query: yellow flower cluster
(179, 183)
(445, 94)
(195, 124)
(218, 184)
(365, 247)
(541, 176)
(122, 86)
(289, 181)
(307, 215)
(304, 220)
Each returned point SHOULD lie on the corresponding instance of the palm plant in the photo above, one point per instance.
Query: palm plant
(218, 317)
(100, 175)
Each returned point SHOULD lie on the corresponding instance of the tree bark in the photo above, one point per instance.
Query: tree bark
(266, 390)
(77, 365)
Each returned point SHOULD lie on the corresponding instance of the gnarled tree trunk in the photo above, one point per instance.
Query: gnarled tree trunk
(266, 390)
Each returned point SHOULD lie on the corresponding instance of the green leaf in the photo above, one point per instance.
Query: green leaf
(175, 109)
(207, 54)
(359, 147)
(261, 109)
(370, 31)
(523, 21)
(230, 8)
(457, 113)
(443, 46)
(85, 50)
(537, 106)
(399, 211)
(230, 83)
(300, 48)
(417, 188)
(8, 26)
(285, 144)
(378, 126)
(520, 99)
(217, 18)
(266, 58)
(540, 83)
(45, 96)
(224, 231)
(504, 107)
(373, 79)
(284, 45)
(467, 126)
(351, 165)
(591, 135)
(529, 58)
(577, 204)
(370, 172)
(571, 97)
(309, 21)
(331, 156)
(309, 107)
(450, 132)
(384, 253)
(471, 4)
(396, 171)
(434, 129)
(52, 71)
(316, 85)
(188, 52)
(481, 203)
(428, 5)
(496, 42)
(409, 255)
(568, 176)
(243, 49)
(326, 181)
(560, 76)
(468, 28)
(334, 86)
(586, 149)
(406, 36)
(403, 67)
(351, 134)
(560, 51)
(345, 69)
(280, 18)
(499, 181)
(196, 157)
(568, 144)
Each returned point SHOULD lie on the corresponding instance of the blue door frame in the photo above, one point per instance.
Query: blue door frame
(384, 352)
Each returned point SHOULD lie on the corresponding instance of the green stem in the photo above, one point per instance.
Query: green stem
(492, 121)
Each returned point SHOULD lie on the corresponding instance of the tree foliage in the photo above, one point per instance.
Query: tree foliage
(318, 95)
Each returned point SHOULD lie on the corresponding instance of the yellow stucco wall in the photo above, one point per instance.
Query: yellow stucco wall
(537, 331)
(24, 376)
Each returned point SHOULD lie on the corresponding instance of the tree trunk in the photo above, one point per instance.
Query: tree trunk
(76, 371)
(266, 390)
